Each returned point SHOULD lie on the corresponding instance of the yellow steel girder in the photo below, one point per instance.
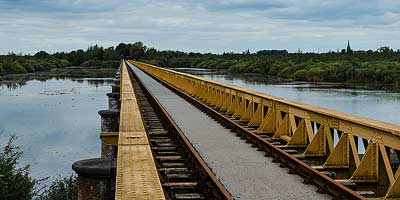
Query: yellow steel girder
(298, 127)
(109, 137)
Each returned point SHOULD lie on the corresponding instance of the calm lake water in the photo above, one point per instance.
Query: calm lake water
(375, 104)
(55, 120)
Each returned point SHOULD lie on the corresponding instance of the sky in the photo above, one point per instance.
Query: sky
(28, 26)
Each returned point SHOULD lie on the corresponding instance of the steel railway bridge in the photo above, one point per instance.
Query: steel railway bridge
(179, 136)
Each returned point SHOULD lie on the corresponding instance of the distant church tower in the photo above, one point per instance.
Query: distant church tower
(348, 49)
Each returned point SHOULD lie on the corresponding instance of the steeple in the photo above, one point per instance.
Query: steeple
(348, 49)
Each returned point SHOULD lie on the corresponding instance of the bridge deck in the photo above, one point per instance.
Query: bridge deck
(137, 176)
(244, 171)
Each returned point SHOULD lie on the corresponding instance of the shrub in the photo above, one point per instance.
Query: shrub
(15, 182)
(65, 189)
(301, 75)
(13, 68)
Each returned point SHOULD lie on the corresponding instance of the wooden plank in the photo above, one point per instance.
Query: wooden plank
(137, 176)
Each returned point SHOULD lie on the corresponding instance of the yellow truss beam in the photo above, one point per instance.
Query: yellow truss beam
(343, 155)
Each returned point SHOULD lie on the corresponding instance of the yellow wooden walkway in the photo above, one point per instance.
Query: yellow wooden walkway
(137, 176)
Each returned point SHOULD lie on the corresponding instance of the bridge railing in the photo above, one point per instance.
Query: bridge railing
(366, 149)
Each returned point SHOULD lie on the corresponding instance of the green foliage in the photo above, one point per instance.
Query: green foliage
(41, 54)
(65, 189)
(15, 182)
(12, 64)
(13, 68)
(380, 66)
(301, 74)
(100, 63)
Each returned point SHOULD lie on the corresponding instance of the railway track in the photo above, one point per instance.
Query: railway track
(305, 167)
(184, 175)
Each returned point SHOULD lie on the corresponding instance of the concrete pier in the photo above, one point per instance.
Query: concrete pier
(113, 101)
(96, 178)
(109, 123)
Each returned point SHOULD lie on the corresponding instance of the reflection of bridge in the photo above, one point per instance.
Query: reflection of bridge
(168, 149)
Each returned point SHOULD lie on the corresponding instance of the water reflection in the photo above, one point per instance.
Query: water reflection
(13, 84)
(55, 120)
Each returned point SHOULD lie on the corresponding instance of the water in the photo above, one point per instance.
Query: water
(375, 104)
(55, 120)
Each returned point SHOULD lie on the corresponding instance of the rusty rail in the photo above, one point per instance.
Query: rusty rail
(214, 186)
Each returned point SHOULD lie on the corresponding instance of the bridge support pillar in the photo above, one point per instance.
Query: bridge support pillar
(117, 81)
(114, 101)
(115, 89)
(109, 123)
(118, 74)
(96, 178)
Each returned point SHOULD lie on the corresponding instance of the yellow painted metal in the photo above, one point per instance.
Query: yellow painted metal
(309, 129)
(248, 114)
(317, 146)
(137, 176)
(299, 137)
(368, 169)
(394, 189)
(283, 128)
(232, 100)
(234, 105)
(292, 123)
(339, 158)
(227, 102)
(268, 124)
(240, 107)
(256, 119)
(354, 150)
(386, 162)
(109, 137)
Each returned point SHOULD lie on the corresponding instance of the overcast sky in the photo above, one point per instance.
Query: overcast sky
(29, 26)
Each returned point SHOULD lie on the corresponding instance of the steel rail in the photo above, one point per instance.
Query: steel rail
(325, 183)
(217, 189)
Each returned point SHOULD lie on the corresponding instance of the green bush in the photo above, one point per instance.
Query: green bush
(301, 75)
(101, 63)
(21, 65)
(15, 182)
(65, 189)
(13, 68)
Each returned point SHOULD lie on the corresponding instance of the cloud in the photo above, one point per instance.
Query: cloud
(208, 26)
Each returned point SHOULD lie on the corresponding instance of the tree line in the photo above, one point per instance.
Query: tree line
(381, 66)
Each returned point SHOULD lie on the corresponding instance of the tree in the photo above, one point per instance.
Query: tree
(111, 54)
(137, 50)
(385, 50)
(15, 182)
(41, 54)
(65, 189)
(77, 57)
(121, 49)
